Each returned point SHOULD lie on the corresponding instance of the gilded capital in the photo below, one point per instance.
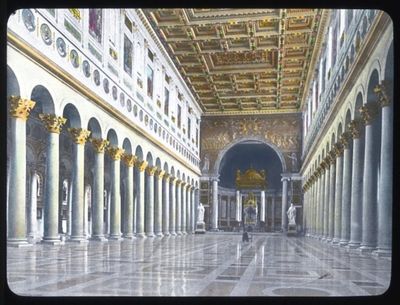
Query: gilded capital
(20, 107)
(173, 180)
(344, 140)
(166, 177)
(150, 170)
(383, 99)
(159, 173)
(79, 135)
(141, 165)
(368, 112)
(355, 128)
(338, 149)
(99, 144)
(129, 159)
(52, 122)
(115, 152)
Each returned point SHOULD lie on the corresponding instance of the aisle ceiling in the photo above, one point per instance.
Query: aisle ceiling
(242, 61)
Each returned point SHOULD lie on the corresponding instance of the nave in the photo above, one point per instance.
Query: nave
(217, 264)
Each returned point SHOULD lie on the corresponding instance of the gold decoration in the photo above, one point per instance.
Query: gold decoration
(338, 149)
(52, 122)
(129, 159)
(251, 179)
(141, 165)
(383, 99)
(344, 140)
(76, 13)
(150, 170)
(79, 135)
(159, 103)
(355, 129)
(174, 180)
(159, 173)
(368, 113)
(20, 108)
(99, 144)
(115, 152)
(167, 177)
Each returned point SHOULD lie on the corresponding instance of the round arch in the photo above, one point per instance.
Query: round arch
(237, 141)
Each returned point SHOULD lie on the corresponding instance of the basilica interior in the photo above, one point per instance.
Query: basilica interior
(144, 145)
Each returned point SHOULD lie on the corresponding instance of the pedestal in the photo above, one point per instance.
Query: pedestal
(200, 228)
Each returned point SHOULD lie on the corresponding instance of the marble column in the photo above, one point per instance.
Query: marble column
(238, 211)
(188, 203)
(158, 208)
(386, 176)
(183, 208)
(129, 161)
(149, 205)
(193, 210)
(99, 146)
(338, 193)
(141, 166)
(321, 197)
(332, 179)
(16, 221)
(262, 207)
(115, 212)
(178, 207)
(369, 198)
(346, 189)
(79, 137)
(70, 192)
(32, 222)
(214, 220)
(326, 199)
(284, 203)
(172, 208)
(273, 214)
(165, 205)
(356, 186)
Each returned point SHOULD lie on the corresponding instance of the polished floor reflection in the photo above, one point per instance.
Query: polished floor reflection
(214, 264)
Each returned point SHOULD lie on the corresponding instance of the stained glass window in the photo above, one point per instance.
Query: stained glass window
(149, 72)
(96, 24)
(128, 49)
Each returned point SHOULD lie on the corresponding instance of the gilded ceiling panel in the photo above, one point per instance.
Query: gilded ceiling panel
(241, 60)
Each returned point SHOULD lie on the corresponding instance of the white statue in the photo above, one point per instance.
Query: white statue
(206, 164)
(200, 213)
(293, 157)
(291, 213)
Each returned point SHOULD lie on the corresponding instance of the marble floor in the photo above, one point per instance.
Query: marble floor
(213, 264)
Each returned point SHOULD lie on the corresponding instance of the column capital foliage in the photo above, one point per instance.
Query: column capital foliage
(129, 159)
(115, 152)
(150, 170)
(79, 135)
(20, 107)
(174, 180)
(159, 173)
(355, 128)
(52, 122)
(344, 139)
(99, 144)
(368, 112)
(332, 155)
(141, 165)
(166, 176)
(383, 99)
(338, 149)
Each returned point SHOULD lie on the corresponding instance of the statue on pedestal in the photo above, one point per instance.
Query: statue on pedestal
(200, 225)
(291, 213)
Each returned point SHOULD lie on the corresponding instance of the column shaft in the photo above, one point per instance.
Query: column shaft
(326, 203)
(172, 208)
(284, 204)
(338, 199)
(331, 215)
(149, 205)
(158, 205)
(32, 222)
(140, 201)
(128, 213)
(262, 208)
(178, 208)
(346, 195)
(214, 222)
(98, 197)
(165, 214)
(78, 194)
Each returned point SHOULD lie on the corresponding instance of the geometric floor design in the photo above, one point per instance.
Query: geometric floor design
(213, 264)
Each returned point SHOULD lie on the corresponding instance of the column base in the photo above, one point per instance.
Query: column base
(98, 238)
(328, 240)
(166, 234)
(214, 230)
(173, 234)
(366, 249)
(353, 245)
(18, 243)
(115, 237)
(128, 236)
(184, 233)
(78, 240)
(335, 241)
(140, 235)
(53, 242)
(159, 234)
(382, 253)
(150, 234)
(179, 233)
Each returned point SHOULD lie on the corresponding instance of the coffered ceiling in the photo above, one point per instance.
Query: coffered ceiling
(241, 61)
